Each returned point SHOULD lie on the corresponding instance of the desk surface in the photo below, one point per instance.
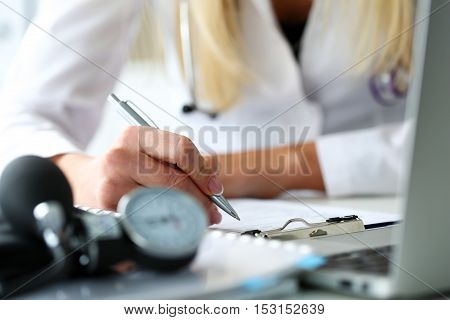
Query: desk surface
(322, 246)
(380, 204)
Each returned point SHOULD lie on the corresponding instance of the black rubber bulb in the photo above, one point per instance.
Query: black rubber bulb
(27, 182)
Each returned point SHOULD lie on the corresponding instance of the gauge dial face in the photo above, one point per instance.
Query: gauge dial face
(163, 222)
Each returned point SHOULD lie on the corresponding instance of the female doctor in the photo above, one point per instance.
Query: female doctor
(328, 77)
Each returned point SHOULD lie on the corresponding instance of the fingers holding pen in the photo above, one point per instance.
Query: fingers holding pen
(138, 155)
(181, 152)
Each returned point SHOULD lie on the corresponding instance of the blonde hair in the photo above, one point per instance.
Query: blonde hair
(384, 29)
(218, 51)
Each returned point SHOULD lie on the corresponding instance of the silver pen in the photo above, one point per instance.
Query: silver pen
(134, 115)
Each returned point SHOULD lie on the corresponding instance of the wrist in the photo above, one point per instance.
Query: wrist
(76, 169)
(70, 162)
(306, 167)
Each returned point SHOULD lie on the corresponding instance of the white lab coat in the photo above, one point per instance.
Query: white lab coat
(72, 57)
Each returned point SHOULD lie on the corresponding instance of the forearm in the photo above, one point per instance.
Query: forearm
(266, 173)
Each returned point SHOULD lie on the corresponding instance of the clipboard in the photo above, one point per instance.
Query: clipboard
(331, 227)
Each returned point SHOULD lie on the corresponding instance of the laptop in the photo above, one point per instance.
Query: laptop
(416, 262)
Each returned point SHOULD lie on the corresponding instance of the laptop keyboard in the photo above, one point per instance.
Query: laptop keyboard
(366, 260)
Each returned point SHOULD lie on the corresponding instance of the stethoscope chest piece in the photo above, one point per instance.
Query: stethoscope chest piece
(192, 107)
(385, 87)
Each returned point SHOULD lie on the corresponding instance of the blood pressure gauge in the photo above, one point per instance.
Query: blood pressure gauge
(158, 228)
(166, 226)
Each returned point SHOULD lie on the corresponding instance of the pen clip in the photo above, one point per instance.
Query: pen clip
(142, 114)
(132, 113)
(125, 115)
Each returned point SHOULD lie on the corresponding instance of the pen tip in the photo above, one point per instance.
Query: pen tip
(112, 95)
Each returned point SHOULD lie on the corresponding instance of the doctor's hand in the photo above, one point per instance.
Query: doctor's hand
(140, 157)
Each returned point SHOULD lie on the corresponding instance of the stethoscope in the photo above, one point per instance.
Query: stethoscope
(385, 89)
(186, 51)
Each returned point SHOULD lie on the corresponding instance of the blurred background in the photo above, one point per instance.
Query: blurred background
(13, 25)
(154, 78)
(12, 28)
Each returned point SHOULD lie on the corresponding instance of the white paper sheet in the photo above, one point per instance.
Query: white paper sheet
(271, 214)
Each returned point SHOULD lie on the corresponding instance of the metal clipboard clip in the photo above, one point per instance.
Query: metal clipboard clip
(331, 227)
